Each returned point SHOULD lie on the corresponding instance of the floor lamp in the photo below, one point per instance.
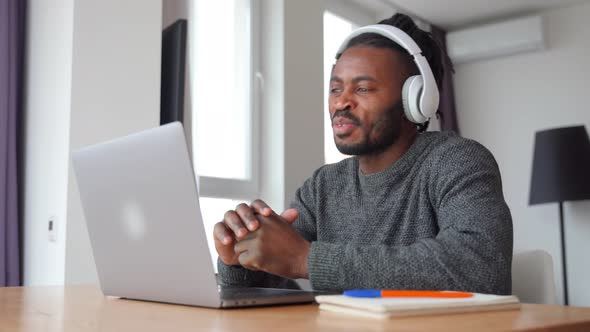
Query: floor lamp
(561, 172)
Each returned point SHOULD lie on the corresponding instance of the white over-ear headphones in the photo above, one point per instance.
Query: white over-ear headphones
(420, 93)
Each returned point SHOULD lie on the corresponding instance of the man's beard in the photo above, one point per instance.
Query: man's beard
(387, 128)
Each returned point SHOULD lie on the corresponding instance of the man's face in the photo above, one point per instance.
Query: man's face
(365, 100)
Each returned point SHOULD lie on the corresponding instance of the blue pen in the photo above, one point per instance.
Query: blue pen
(363, 293)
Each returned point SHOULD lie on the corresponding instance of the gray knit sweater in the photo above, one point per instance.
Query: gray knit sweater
(435, 219)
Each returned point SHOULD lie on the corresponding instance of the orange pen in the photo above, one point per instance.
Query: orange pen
(375, 293)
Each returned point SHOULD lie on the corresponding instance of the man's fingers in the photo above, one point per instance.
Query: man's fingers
(234, 222)
(290, 215)
(224, 240)
(261, 208)
(249, 260)
(240, 247)
(247, 215)
(221, 233)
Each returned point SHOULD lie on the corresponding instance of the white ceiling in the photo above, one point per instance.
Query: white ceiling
(453, 14)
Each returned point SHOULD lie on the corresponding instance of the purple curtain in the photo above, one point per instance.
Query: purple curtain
(12, 36)
(448, 119)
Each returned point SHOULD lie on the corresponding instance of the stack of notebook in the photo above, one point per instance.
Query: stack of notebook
(404, 304)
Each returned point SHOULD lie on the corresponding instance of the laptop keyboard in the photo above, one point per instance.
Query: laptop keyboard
(230, 293)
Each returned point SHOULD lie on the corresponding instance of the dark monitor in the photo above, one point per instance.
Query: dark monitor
(173, 72)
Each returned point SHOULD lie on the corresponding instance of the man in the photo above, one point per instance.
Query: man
(411, 210)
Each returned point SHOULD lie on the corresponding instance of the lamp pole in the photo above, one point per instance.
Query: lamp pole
(566, 301)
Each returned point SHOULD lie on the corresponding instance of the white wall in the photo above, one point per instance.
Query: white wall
(92, 73)
(303, 92)
(272, 171)
(115, 92)
(502, 102)
(46, 136)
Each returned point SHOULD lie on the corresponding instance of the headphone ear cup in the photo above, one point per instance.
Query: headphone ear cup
(411, 93)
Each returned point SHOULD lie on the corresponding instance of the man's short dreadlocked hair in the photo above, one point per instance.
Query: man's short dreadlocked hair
(432, 49)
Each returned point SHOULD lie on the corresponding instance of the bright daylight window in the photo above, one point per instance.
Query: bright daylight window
(223, 39)
(336, 29)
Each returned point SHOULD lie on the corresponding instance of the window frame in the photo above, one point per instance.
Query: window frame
(246, 189)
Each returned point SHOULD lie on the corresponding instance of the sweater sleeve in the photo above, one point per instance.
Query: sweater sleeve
(236, 275)
(240, 276)
(472, 250)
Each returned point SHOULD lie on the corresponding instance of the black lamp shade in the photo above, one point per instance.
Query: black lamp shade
(561, 166)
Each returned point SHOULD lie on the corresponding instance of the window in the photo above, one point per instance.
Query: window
(223, 68)
(336, 29)
(340, 18)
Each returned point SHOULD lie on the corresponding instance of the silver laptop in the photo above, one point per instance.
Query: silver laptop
(141, 205)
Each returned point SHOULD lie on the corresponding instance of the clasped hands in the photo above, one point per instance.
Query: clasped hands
(258, 239)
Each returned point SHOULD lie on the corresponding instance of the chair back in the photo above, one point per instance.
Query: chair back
(532, 277)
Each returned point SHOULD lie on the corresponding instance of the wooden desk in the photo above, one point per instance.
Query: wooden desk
(84, 308)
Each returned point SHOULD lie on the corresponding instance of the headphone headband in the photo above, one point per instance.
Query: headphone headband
(395, 34)
(429, 96)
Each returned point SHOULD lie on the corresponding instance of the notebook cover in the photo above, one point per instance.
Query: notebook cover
(399, 307)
